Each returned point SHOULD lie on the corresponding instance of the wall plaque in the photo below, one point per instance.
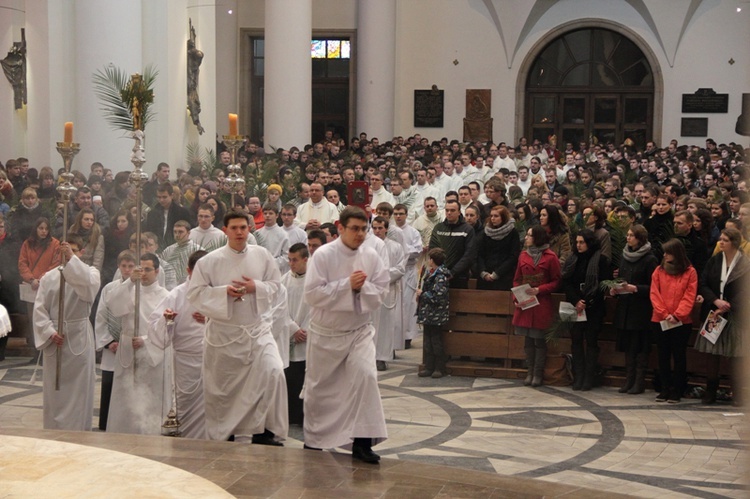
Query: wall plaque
(694, 127)
(705, 100)
(428, 108)
(478, 121)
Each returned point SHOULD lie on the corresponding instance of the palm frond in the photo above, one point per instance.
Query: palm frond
(111, 87)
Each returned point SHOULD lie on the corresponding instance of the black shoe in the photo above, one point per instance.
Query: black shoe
(231, 438)
(365, 454)
(305, 446)
(381, 365)
(407, 345)
(425, 373)
(662, 397)
(266, 438)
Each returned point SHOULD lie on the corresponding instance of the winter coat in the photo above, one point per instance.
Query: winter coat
(634, 310)
(660, 230)
(560, 245)
(435, 298)
(33, 263)
(673, 294)
(573, 284)
(498, 257)
(545, 276)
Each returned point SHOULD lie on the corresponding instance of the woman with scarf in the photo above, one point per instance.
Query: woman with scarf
(723, 287)
(85, 226)
(498, 251)
(582, 273)
(538, 267)
(633, 313)
(40, 253)
(553, 221)
(674, 286)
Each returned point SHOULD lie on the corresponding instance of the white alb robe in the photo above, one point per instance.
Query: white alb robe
(209, 239)
(390, 309)
(295, 235)
(276, 241)
(186, 336)
(299, 313)
(342, 399)
(322, 211)
(413, 241)
(243, 376)
(72, 407)
(141, 388)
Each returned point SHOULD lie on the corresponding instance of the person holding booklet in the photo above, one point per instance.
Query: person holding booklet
(539, 268)
(723, 284)
(674, 287)
(582, 273)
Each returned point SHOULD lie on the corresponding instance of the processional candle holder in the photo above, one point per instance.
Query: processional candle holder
(67, 150)
(137, 179)
(234, 180)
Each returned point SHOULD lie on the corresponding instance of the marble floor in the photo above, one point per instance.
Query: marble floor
(453, 437)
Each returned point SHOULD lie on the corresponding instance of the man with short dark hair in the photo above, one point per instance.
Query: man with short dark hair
(695, 247)
(160, 178)
(244, 388)
(177, 254)
(164, 215)
(344, 286)
(456, 238)
(82, 199)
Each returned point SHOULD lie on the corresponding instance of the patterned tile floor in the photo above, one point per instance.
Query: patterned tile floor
(601, 440)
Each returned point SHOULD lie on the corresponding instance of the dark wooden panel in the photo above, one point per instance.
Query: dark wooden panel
(476, 344)
(480, 301)
(479, 323)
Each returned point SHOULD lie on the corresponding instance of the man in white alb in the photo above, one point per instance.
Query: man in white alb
(244, 387)
(317, 211)
(345, 285)
(205, 234)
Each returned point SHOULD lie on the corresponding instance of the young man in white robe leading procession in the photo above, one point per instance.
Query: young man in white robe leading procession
(345, 285)
(243, 374)
(70, 407)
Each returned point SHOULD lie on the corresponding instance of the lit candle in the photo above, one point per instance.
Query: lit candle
(233, 124)
(68, 132)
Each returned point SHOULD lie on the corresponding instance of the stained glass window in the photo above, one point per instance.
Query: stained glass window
(330, 49)
(318, 49)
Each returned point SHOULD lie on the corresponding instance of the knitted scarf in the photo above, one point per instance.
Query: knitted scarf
(635, 255)
(498, 233)
(535, 252)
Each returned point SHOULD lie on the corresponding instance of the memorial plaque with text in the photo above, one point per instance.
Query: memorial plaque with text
(428, 108)
(705, 100)
(694, 127)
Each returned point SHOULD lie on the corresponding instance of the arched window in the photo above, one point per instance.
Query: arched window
(590, 83)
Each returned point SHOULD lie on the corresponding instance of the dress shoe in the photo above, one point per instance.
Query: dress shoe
(307, 447)
(365, 454)
(266, 438)
(662, 397)
(424, 373)
(437, 374)
(381, 365)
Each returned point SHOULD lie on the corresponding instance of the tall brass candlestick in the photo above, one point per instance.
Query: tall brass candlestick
(234, 180)
(137, 178)
(67, 150)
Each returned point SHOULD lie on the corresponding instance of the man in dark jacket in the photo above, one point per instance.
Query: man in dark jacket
(83, 199)
(456, 238)
(697, 251)
(164, 215)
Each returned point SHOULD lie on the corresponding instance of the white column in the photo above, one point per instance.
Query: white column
(288, 73)
(12, 121)
(376, 67)
(106, 31)
(227, 65)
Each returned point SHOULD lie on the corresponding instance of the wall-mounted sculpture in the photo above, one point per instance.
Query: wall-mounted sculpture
(14, 66)
(478, 121)
(194, 60)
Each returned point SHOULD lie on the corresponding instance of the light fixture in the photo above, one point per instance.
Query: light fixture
(229, 12)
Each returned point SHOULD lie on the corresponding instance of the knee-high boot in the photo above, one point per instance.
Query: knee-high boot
(529, 349)
(592, 358)
(540, 360)
(641, 365)
(579, 366)
(630, 361)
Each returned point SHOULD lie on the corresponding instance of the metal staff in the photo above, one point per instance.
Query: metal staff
(67, 150)
(137, 178)
(234, 179)
(171, 426)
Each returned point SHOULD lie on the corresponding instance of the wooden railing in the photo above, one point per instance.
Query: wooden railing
(480, 341)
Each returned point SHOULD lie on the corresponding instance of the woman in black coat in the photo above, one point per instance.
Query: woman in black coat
(726, 298)
(498, 251)
(582, 273)
(633, 313)
(660, 226)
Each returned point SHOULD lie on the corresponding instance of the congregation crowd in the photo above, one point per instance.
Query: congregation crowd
(659, 229)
